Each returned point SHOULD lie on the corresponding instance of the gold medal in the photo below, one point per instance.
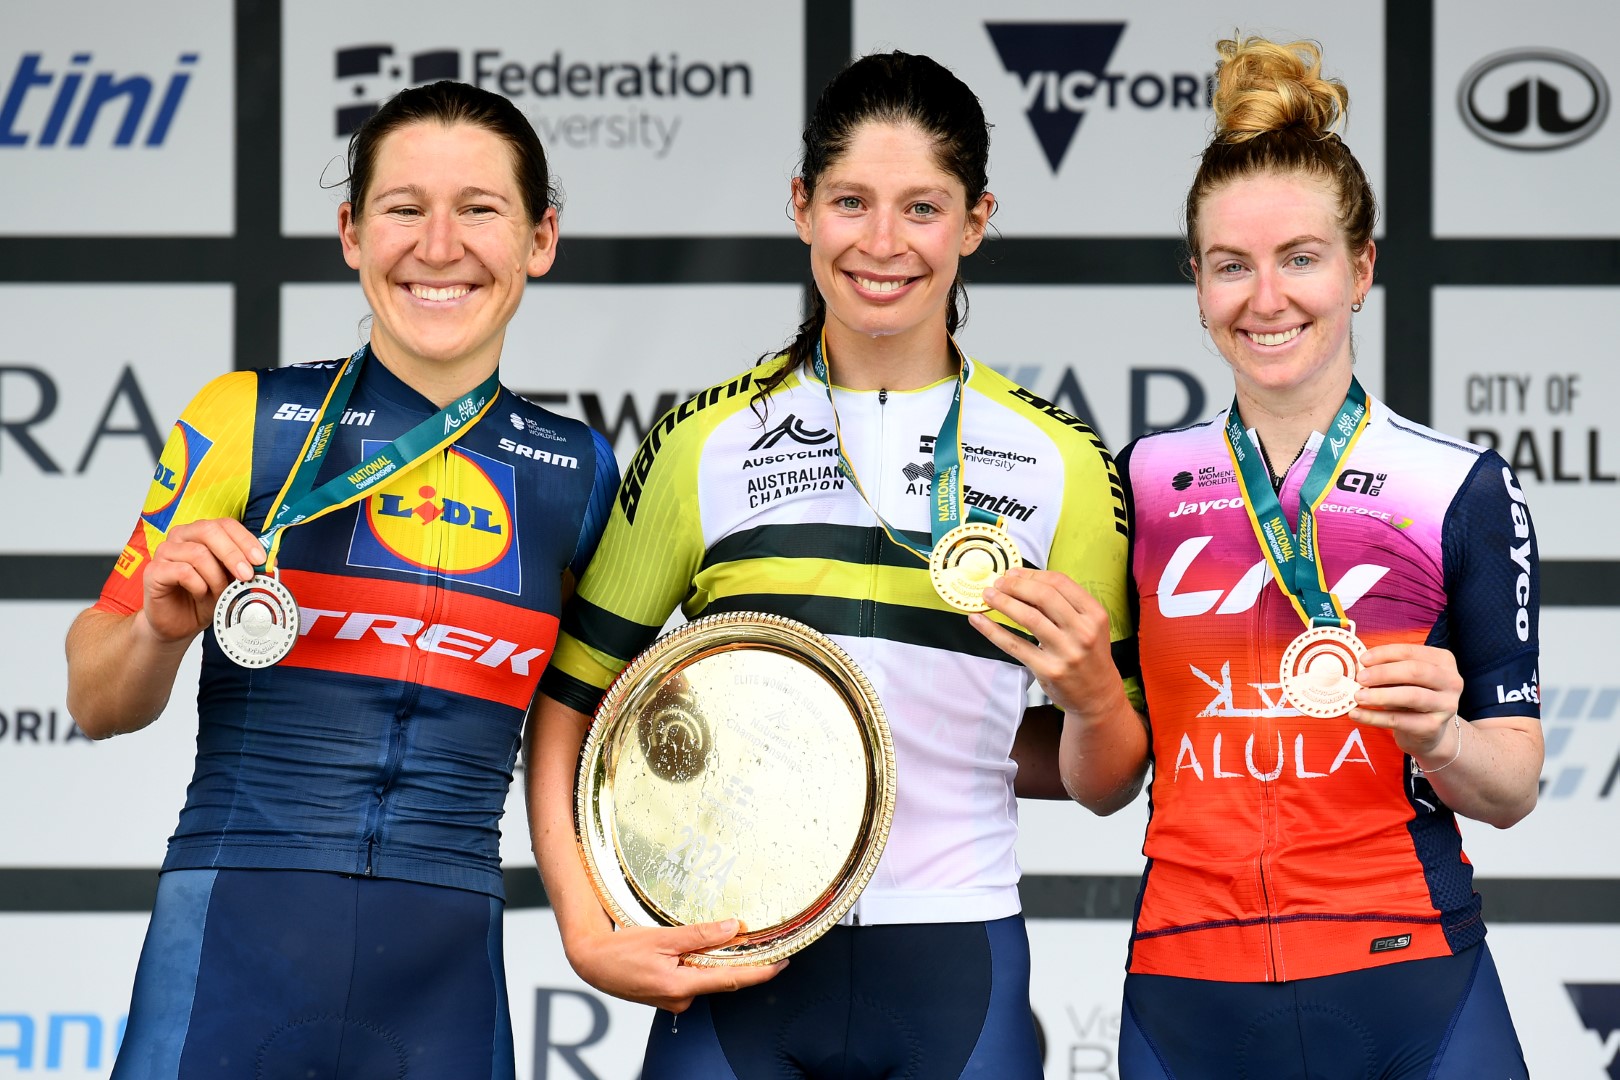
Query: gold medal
(1319, 671)
(967, 560)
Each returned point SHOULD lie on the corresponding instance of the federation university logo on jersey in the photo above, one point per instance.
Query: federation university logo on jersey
(449, 515)
(176, 466)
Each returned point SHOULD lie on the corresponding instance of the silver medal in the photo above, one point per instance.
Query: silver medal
(256, 622)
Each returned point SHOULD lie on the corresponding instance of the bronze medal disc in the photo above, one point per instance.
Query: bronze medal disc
(1318, 671)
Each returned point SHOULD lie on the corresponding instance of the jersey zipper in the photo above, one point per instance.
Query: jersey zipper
(869, 608)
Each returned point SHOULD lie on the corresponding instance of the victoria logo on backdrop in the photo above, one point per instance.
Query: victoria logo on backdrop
(584, 102)
(1062, 70)
(1598, 1005)
(1533, 99)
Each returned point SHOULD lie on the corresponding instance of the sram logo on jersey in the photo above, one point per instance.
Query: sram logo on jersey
(450, 515)
(452, 641)
(545, 457)
(176, 466)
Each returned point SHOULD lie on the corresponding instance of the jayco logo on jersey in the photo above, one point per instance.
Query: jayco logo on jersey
(1199, 509)
(1520, 554)
(449, 515)
(176, 466)
(55, 102)
(1062, 69)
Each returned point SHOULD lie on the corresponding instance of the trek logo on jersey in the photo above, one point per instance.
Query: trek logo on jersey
(1239, 596)
(1390, 944)
(449, 515)
(454, 641)
(176, 466)
(793, 428)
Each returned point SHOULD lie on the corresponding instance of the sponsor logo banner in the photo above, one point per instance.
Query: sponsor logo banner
(1100, 108)
(1514, 370)
(86, 403)
(113, 122)
(1532, 113)
(640, 107)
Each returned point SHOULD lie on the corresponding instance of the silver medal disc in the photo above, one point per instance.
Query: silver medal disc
(256, 622)
(1319, 671)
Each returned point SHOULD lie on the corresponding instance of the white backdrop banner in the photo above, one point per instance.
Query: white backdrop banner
(640, 106)
(1101, 107)
(91, 379)
(1525, 140)
(113, 122)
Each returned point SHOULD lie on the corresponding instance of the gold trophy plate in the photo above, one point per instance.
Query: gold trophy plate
(740, 767)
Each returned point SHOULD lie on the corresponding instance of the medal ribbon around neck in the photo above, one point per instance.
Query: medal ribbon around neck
(297, 503)
(1295, 559)
(949, 492)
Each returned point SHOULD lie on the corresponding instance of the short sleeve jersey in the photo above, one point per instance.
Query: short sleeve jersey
(384, 742)
(723, 511)
(1282, 846)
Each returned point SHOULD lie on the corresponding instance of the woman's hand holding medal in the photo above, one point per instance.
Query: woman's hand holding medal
(1413, 690)
(190, 568)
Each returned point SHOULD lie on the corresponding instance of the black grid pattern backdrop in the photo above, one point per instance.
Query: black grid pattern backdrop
(257, 260)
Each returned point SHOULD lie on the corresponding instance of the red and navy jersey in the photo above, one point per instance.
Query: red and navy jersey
(1282, 846)
(384, 742)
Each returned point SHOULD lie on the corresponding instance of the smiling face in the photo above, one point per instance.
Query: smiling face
(886, 228)
(444, 245)
(1275, 283)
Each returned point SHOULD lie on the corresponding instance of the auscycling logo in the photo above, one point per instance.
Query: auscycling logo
(585, 102)
(1063, 72)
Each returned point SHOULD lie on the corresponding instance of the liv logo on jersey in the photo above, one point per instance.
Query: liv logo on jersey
(450, 515)
(1059, 66)
(176, 466)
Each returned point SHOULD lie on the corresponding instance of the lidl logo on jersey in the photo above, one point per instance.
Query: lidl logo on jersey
(175, 468)
(449, 515)
(71, 101)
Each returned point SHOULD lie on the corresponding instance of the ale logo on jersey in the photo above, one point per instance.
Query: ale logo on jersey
(176, 466)
(449, 515)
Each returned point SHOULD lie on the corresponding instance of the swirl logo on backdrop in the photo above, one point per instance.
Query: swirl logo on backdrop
(176, 466)
(1533, 99)
(450, 515)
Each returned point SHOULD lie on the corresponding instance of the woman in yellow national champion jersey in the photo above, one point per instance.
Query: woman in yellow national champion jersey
(746, 499)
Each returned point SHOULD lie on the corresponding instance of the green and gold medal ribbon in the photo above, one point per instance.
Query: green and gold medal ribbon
(297, 503)
(1295, 558)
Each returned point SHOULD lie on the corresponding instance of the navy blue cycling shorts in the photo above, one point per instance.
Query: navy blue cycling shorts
(1442, 1018)
(928, 1001)
(275, 974)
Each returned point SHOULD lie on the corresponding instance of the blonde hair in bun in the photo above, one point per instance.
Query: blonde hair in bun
(1262, 86)
(1276, 115)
